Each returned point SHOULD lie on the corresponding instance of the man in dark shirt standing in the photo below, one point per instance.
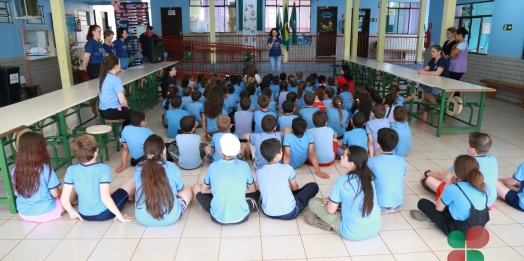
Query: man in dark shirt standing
(144, 44)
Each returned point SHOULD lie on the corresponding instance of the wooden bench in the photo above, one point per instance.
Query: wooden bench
(503, 85)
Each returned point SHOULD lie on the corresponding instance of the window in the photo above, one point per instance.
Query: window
(476, 18)
(402, 18)
(39, 20)
(5, 13)
(225, 16)
(303, 9)
(84, 17)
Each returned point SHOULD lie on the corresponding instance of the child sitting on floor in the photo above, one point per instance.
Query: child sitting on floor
(323, 136)
(132, 138)
(338, 117)
(331, 84)
(357, 136)
(307, 112)
(255, 139)
(195, 107)
(374, 125)
(319, 96)
(186, 99)
(173, 117)
(224, 126)
(285, 120)
(511, 189)
(275, 87)
(401, 126)
(244, 118)
(188, 151)
(292, 97)
(281, 196)
(263, 103)
(400, 100)
(328, 98)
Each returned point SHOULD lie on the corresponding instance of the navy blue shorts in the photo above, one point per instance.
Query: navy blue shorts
(119, 197)
(512, 198)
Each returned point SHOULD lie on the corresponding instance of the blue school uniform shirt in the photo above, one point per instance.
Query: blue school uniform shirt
(120, 48)
(346, 97)
(292, 89)
(389, 171)
(194, 109)
(281, 97)
(172, 120)
(107, 98)
(256, 139)
(400, 100)
(164, 104)
(228, 106)
(404, 138)
(307, 115)
(273, 181)
(352, 225)
(300, 100)
(96, 50)
(215, 144)
(238, 89)
(390, 110)
(372, 128)
(286, 121)
(243, 123)
(519, 176)
(251, 108)
(41, 202)
(490, 170)
(274, 90)
(334, 121)
(175, 182)
(110, 50)
(457, 202)
(257, 118)
(254, 100)
(228, 180)
(327, 103)
(309, 88)
(180, 91)
(272, 107)
(134, 137)
(189, 148)
(299, 148)
(334, 89)
(186, 100)
(323, 140)
(356, 137)
(234, 99)
(86, 180)
(211, 123)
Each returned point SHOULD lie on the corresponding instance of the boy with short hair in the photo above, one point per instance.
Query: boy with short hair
(269, 126)
(286, 120)
(323, 136)
(186, 99)
(184, 83)
(244, 118)
(281, 196)
(252, 94)
(271, 106)
(299, 75)
(224, 126)
(283, 76)
(478, 146)
(173, 117)
(245, 94)
(227, 104)
(232, 98)
(328, 98)
(188, 151)
(307, 113)
(401, 126)
(389, 172)
(331, 85)
(346, 96)
(236, 84)
(263, 103)
(510, 189)
(357, 136)
(195, 107)
(133, 138)
(319, 96)
(229, 192)
(275, 87)
(374, 125)
(310, 84)
(293, 98)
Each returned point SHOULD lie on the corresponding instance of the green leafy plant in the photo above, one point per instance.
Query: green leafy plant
(248, 59)
(76, 62)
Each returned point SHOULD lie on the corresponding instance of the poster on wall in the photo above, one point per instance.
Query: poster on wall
(134, 17)
(250, 22)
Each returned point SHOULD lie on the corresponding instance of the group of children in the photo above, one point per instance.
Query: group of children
(280, 123)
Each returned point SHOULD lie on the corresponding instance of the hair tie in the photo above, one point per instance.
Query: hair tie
(150, 156)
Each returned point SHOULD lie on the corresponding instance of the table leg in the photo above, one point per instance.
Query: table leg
(10, 199)
(441, 114)
(481, 110)
(412, 90)
(63, 132)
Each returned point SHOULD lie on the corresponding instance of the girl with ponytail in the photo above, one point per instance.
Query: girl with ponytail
(359, 216)
(389, 103)
(338, 117)
(464, 202)
(112, 100)
(161, 197)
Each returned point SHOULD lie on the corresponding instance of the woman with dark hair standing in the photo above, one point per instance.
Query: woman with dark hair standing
(108, 42)
(345, 77)
(94, 52)
(112, 100)
(458, 64)
(448, 44)
(276, 51)
(121, 47)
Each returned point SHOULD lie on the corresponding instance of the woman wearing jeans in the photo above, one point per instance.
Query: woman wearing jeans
(274, 45)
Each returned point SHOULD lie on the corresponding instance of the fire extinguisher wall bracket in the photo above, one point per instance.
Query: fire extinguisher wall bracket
(427, 39)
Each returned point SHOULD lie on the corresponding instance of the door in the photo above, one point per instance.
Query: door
(363, 32)
(327, 31)
(171, 20)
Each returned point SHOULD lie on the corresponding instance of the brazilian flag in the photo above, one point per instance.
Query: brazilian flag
(285, 31)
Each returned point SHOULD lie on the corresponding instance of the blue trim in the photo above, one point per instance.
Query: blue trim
(294, 177)
(105, 182)
(68, 183)
(516, 178)
(82, 164)
(56, 186)
(333, 201)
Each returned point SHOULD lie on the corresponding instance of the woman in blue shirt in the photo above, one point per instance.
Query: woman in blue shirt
(274, 45)
(121, 47)
(109, 48)
(112, 100)
(437, 66)
(94, 52)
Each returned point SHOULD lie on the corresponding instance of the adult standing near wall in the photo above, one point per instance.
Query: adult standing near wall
(448, 44)
(276, 52)
(121, 47)
(144, 44)
(458, 63)
(108, 42)
(94, 53)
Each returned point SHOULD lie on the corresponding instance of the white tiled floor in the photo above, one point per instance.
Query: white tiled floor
(195, 237)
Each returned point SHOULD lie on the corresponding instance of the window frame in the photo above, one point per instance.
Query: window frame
(471, 17)
(225, 5)
(9, 12)
(398, 16)
(290, 8)
(38, 20)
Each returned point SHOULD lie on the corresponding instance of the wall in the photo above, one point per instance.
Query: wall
(155, 13)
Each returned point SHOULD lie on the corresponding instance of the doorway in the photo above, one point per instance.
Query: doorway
(327, 31)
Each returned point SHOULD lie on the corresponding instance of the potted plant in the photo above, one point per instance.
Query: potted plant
(248, 59)
(76, 62)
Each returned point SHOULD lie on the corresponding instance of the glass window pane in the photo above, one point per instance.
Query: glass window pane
(456, 24)
(304, 19)
(199, 19)
(458, 11)
(484, 37)
(483, 8)
(474, 34)
(271, 17)
(220, 2)
(466, 10)
(194, 3)
(413, 21)
(403, 21)
(415, 5)
(303, 3)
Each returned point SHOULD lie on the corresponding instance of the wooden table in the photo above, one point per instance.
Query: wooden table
(55, 103)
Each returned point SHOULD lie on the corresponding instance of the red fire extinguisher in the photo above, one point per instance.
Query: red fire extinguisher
(427, 39)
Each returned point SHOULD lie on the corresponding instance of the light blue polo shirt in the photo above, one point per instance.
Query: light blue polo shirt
(389, 171)
(307, 115)
(228, 106)
(274, 89)
(135, 137)
(258, 116)
(457, 202)
(286, 121)
(175, 182)
(334, 121)
(292, 89)
(186, 100)
(490, 169)
(519, 176)
(243, 123)
(334, 89)
(327, 103)
(211, 123)
(372, 128)
(273, 181)
(256, 139)
(228, 180)
(194, 109)
(215, 144)
(41, 202)
(189, 148)
(107, 97)
(164, 104)
(400, 100)
(172, 120)
(323, 138)
(352, 225)
(86, 180)
(299, 148)
(404, 138)
(346, 97)
(390, 111)
(233, 99)
(357, 137)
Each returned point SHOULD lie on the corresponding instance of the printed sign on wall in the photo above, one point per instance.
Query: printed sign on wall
(250, 22)
(134, 17)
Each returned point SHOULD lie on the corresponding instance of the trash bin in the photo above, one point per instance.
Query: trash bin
(9, 85)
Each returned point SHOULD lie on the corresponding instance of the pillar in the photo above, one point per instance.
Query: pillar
(448, 17)
(62, 43)
(347, 29)
(381, 39)
(420, 34)
(212, 29)
(354, 29)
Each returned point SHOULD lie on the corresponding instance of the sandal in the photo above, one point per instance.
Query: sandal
(314, 221)
(420, 216)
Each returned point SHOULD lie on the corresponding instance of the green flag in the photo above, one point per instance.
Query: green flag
(279, 20)
(285, 31)
(293, 24)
